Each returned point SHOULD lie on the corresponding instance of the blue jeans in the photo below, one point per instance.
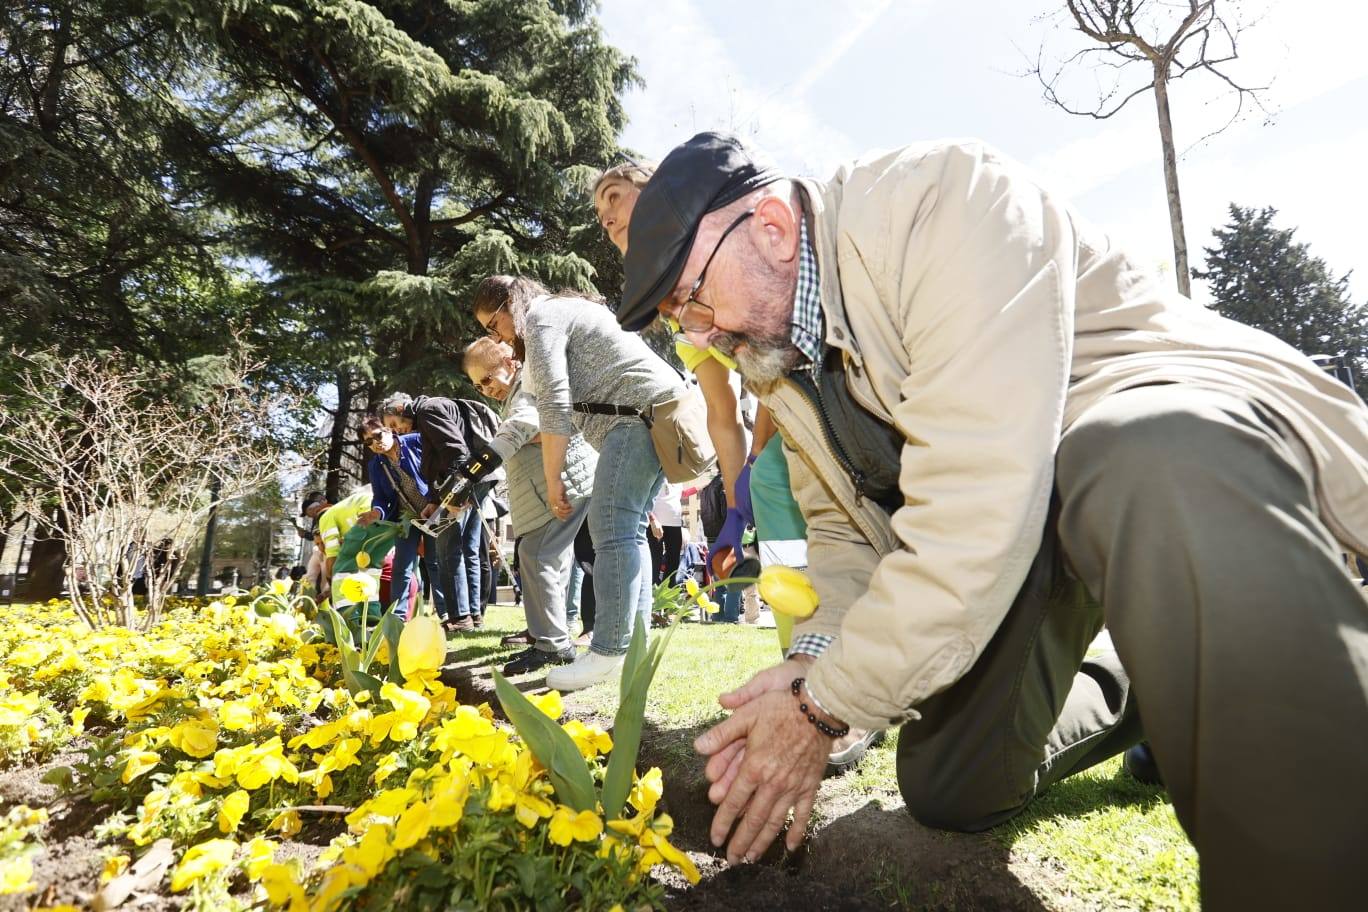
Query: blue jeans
(625, 483)
(458, 565)
(405, 568)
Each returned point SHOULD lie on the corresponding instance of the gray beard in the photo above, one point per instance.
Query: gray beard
(762, 363)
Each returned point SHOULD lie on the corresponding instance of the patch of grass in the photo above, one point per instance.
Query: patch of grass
(1116, 842)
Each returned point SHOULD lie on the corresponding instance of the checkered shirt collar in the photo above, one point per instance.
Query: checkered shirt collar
(807, 303)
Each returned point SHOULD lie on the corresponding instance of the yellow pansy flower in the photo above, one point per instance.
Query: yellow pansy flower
(591, 740)
(358, 587)
(412, 825)
(202, 860)
(139, 762)
(549, 703)
(16, 876)
(691, 586)
(280, 587)
(647, 791)
(231, 810)
(788, 591)
(195, 737)
(114, 865)
(283, 889)
(260, 855)
(530, 808)
(567, 826)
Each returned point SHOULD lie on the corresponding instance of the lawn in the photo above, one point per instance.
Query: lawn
(1100, 840)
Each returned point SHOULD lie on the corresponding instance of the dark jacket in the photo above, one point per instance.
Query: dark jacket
(451, 429)
(385, 495)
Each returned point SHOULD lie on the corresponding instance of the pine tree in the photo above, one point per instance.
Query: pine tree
(1261, 277)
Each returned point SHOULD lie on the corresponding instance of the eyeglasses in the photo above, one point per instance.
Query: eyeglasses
(489, 327)
(695, 316)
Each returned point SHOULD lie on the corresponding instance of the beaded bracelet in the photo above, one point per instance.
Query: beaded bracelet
(822, 727)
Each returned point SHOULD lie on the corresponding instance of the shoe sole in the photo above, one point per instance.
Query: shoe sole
(851, 756)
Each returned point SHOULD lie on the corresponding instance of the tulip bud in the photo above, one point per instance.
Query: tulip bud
(788, 591)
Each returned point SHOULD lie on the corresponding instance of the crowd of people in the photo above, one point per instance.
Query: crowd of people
(990, 431)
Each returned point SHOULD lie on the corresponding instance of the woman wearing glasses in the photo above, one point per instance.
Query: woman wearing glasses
(577, 355)
(399, 492)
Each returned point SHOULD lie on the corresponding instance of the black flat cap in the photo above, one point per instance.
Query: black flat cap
(704, 174)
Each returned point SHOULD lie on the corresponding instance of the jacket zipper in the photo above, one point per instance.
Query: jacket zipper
(812, 392)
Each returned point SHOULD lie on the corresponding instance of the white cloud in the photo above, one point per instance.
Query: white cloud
(693, 83)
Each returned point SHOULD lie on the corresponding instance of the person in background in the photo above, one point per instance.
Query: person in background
(334, 522)
(668, 511)
(614, 194)
(577, 359)
(399, 492)
(451, 430)
(546, 543)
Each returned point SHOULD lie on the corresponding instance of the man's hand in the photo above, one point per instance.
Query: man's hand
(370, 516)
(726, 762)
(429, 510)
(774, 759)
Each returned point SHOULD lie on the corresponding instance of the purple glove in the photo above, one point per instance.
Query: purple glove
(743, 498)
(726, 551)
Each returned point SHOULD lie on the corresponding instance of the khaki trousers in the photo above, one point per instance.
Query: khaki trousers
(1190, 514)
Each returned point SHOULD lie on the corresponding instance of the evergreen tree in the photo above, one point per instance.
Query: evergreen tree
(395, 152)
(1261, 277)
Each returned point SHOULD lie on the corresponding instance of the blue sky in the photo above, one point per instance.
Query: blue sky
(814, 83)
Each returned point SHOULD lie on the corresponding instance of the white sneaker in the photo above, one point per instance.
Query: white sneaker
(587, 670)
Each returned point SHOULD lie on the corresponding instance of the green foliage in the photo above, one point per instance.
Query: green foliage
(1261, 277)
(553, 748)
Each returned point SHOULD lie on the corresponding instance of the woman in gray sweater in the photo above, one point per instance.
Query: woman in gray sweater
(576, 353)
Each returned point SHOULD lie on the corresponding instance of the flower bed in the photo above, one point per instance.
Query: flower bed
(220, 732)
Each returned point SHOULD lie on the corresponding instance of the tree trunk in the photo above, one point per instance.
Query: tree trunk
(1175, 203)
(206, 563)
(337, 439)
(47, 564)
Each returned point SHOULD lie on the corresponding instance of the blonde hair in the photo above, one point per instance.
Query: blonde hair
(486, 352)
(632, 172)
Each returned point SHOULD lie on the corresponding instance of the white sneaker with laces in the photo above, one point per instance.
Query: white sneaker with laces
(587, 670)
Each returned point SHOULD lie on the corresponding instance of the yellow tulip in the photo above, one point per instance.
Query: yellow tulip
(567, 826)
(362, 560)
(202, 860)
(788, 591)
(231, 810)
(422, 646)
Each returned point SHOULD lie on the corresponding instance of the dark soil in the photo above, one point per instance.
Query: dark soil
(862, 856)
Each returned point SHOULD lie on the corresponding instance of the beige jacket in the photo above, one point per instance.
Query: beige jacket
(982, 316)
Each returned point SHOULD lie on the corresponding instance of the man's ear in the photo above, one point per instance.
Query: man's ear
(777, 230)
